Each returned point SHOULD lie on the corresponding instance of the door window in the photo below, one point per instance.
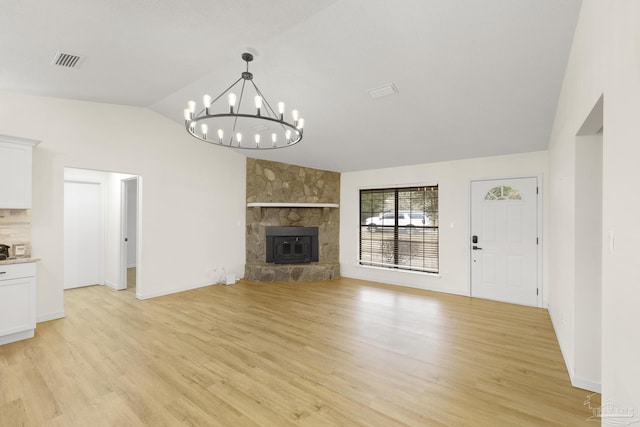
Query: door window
(503, 192)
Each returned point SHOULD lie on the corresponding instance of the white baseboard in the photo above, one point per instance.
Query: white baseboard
(402, 283)
(586, 385)
(18, 336)
(50, 316)
(567, 362)
(143, 296)
(575, 382)
(112, 285)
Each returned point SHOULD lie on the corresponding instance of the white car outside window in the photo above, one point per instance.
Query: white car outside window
(405, 219)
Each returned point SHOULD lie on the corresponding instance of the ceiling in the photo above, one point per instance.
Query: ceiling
(475, 78)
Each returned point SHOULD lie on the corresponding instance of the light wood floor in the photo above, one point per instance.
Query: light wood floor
(131, 280)
(344, 352)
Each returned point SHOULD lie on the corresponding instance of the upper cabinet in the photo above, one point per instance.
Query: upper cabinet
(15, 167)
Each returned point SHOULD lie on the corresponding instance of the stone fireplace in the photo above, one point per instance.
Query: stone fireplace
(291, 202)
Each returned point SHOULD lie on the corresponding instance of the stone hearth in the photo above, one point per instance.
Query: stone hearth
(273, 182)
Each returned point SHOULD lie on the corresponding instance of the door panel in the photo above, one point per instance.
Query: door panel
(514, 271)
(514, 224)
(488, 224)
(489, 269)
(82, 234)
(504, 263)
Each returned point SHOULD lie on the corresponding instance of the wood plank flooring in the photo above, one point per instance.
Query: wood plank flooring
(345, 352)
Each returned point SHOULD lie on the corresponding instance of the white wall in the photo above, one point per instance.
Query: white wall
(605, 59)
(588, 266)
(453, 179)
(192, 199)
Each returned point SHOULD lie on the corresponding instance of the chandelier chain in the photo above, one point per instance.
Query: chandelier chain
(235, 120)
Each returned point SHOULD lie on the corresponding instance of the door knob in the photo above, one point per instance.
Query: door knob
(476, 248)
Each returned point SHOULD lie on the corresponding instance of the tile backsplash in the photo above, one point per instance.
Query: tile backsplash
(15, 227)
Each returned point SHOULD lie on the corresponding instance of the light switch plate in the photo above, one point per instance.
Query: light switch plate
(19, 250)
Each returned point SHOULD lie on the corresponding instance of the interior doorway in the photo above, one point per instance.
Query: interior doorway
(104, 207)
(129, 233)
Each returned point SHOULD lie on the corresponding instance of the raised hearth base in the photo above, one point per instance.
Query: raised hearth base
(264, 272)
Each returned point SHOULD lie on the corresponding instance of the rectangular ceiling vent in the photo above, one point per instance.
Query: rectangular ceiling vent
(67, 60)
(382, 91)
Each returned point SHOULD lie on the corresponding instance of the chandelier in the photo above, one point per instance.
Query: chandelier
(256, 127)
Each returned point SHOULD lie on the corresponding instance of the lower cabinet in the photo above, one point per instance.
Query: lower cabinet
(17, 302)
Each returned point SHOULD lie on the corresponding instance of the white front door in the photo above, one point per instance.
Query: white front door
(504, 240)
(82, 234)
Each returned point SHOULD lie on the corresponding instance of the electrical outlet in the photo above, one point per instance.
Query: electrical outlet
(19, 250)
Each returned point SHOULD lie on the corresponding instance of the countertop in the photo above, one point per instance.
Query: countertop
(18, 260)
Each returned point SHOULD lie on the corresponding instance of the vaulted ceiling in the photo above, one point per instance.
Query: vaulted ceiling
(475, 77)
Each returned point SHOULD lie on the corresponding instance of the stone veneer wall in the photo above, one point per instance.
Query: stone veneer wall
(15, 228)
(273, 182)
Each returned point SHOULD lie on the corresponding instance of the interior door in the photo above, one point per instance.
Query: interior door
(504, 240)
(82, 234)
(128, 232)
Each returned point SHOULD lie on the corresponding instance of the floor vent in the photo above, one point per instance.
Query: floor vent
(67, 60)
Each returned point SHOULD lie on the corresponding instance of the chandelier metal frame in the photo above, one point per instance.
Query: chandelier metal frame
(291, 132)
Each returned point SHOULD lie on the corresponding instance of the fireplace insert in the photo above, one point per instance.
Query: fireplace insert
(292, 245)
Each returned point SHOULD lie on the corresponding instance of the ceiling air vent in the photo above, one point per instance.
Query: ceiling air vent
(67, 60)
(382, 91)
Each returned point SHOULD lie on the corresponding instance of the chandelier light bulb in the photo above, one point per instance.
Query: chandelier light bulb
(239, 138)
(281, 110)
(300, 123)
(191, 105)
(187, 114)
(258, 102)
(192, 127)
(295, 115)
(274, 138)
(206, 100)
(220, 135)
(232, 102)
(288, 135)
(205, 130)
(257, 139)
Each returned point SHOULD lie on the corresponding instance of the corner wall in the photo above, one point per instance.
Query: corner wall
(605, 59)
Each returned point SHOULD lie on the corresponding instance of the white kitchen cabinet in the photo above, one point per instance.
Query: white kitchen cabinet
(15, 164)
(17, 301)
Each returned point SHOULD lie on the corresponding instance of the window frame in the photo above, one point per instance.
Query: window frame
(428, 260)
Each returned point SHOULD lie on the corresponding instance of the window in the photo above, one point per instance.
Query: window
(399, 228)
(503, 192)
